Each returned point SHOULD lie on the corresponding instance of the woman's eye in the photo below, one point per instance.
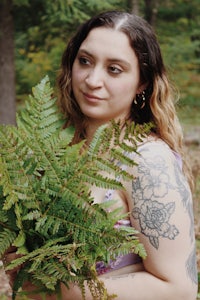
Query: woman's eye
(83, 61)
(115, 70)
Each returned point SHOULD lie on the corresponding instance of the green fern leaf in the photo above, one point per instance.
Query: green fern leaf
(7, 237)
(46, 207)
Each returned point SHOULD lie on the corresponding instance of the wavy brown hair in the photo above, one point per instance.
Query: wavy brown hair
(160, 97)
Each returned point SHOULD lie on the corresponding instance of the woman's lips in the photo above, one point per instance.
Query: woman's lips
(92, 98)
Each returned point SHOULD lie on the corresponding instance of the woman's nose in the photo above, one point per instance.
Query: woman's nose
(94, 78)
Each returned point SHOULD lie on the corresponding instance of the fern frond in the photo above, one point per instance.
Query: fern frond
(110, 168)
(100, 141)
(118, 155)
(98, 180)
(7, 237)
(47, 209)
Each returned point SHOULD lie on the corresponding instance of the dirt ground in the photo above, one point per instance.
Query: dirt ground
(192, 142)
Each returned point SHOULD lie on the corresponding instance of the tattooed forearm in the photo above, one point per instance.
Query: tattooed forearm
(191, 266)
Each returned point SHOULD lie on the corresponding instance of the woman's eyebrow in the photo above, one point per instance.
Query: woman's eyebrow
(83, 51)
(120, 61)
(110, 60)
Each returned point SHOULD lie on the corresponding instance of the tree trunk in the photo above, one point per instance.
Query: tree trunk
(151, 11)
(7, 69)
(133, 6)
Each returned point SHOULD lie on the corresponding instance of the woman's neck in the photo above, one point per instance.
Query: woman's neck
(91, 129)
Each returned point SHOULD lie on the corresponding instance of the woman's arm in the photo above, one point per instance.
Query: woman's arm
(161, 209)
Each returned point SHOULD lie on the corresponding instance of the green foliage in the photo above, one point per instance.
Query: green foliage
(40, 41)
(21, 2)
(46, 208)
(76, 11)
(35, 62)
(176, 9)
(180, 47)
(182, 63)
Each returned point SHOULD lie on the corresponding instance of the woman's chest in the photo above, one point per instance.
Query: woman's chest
(117, 198)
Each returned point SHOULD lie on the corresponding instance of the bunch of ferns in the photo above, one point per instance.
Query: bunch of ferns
(46, 208)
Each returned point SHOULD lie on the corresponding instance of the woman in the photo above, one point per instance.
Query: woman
(113, 69)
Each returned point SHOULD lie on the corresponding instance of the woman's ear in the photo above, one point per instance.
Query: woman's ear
(142, 87)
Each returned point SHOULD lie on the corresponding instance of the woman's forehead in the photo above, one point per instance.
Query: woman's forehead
(108, 42)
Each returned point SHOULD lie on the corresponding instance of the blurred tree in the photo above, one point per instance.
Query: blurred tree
(7, 58)
(7, 73)
(151, 10)
(134, 6)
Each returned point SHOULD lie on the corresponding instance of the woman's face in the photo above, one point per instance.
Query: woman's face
(105, 76)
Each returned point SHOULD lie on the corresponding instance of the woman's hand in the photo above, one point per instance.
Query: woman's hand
(7, 258)
(11, 254)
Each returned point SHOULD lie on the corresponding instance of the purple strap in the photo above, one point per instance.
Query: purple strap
(120, 262)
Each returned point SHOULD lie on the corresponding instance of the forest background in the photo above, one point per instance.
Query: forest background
(34, 33)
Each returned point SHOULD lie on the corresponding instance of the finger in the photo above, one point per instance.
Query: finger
(11, 277)
(11, 249)
(9, 257)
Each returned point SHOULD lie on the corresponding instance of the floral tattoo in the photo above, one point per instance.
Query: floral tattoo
(154, 221)
(153, 216)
